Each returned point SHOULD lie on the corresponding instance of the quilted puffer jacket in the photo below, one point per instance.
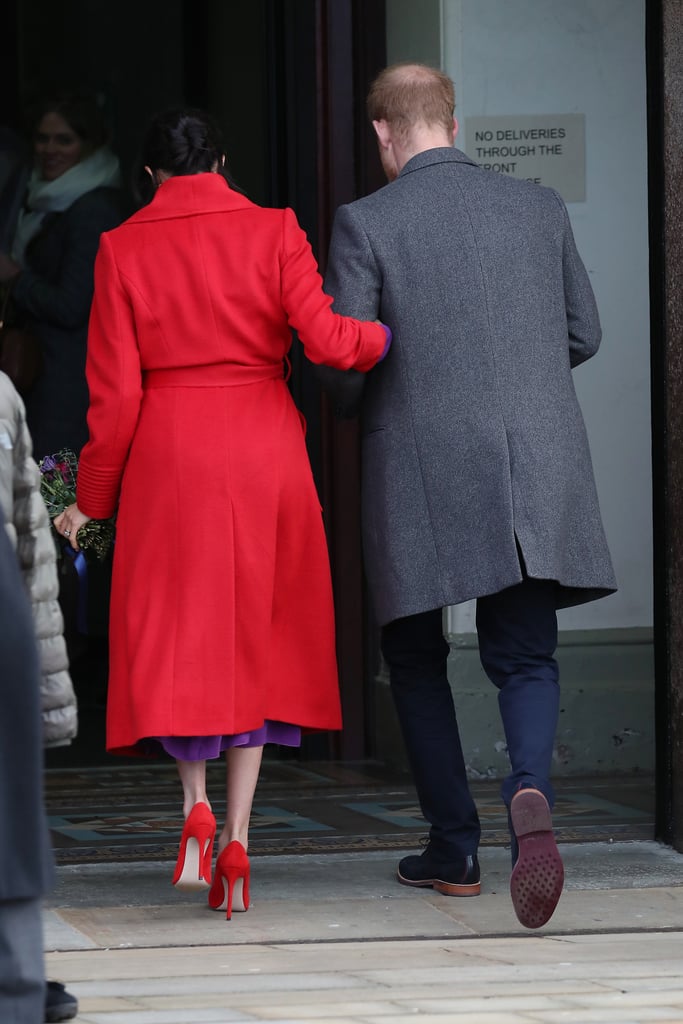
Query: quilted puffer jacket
(31, 533)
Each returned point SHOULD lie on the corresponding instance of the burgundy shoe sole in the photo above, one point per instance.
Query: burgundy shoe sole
(538, 876)
(446, 888)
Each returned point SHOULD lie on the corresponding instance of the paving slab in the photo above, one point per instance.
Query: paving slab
(468, 980)
(624, 865)
(335, 939)
(610, 887)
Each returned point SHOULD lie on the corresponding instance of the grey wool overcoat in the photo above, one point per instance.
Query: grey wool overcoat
(474, 445)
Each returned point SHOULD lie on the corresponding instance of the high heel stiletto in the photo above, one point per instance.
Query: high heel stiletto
(193, 867)
(230, 887)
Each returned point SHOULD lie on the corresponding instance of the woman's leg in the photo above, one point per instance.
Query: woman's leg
(193, 868)
(243, 765)
(193, 778)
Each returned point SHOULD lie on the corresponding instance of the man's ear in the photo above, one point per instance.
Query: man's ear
(383, 133)
(455, 128)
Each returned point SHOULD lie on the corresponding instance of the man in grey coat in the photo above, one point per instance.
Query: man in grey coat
(476, 474)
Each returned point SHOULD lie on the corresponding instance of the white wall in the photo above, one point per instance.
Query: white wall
(585, 56)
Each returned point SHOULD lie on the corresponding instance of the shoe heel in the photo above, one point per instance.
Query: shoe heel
(193, 867)
(530, 812)
(457, 888)
(230, 887)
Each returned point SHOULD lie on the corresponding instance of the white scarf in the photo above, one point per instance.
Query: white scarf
(99, 169)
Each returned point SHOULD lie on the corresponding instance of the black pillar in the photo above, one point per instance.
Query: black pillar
(665, 67)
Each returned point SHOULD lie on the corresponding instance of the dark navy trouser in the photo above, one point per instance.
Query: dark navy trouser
(517, 630)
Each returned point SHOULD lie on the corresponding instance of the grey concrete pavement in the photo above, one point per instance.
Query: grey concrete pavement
(335, 938)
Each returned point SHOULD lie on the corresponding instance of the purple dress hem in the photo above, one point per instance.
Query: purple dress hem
(203, 748)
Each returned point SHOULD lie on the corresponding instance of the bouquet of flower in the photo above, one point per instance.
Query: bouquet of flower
(58, 488)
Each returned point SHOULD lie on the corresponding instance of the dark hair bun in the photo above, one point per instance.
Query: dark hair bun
(182, 141)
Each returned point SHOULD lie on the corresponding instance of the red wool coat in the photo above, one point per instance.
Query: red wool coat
(221, 609)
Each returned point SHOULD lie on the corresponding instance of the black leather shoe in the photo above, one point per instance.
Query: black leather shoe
(452, 878)
(59, 1004)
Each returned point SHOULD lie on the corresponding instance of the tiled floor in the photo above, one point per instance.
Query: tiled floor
(131, 812)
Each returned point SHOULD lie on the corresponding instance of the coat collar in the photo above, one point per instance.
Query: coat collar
(189, 194)
(442, 155)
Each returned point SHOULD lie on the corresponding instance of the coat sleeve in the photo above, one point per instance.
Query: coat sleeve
(65, 302)
(355, 284)
(37, 558)
(327, 337)
(115, 383)
(583, 321)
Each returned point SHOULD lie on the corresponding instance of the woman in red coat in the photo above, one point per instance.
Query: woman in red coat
(222, 630)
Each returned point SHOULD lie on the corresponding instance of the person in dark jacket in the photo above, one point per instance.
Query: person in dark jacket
(25, 856)
(73, 195)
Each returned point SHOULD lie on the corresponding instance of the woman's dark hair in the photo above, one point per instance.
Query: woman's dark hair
(180, 141)
(82, 111)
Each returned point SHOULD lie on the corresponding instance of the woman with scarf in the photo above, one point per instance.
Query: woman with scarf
(72, 195)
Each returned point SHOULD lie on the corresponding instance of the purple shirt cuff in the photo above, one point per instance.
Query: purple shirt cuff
(387, 331)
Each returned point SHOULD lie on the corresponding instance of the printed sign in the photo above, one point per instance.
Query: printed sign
(549, 149)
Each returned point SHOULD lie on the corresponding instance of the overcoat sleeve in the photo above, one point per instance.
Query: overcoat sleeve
(115, 383)
(583, 321)
(327, 337)
(355, 284)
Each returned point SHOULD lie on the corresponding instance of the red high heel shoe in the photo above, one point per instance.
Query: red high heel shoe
(193, 867)
(230, 887)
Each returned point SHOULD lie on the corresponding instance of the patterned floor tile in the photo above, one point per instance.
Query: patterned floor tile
(132, 812)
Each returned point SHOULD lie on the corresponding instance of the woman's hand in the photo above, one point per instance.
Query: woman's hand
(8, 268)
(69, 522)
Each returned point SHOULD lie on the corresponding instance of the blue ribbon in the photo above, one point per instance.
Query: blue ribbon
(81, 567)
